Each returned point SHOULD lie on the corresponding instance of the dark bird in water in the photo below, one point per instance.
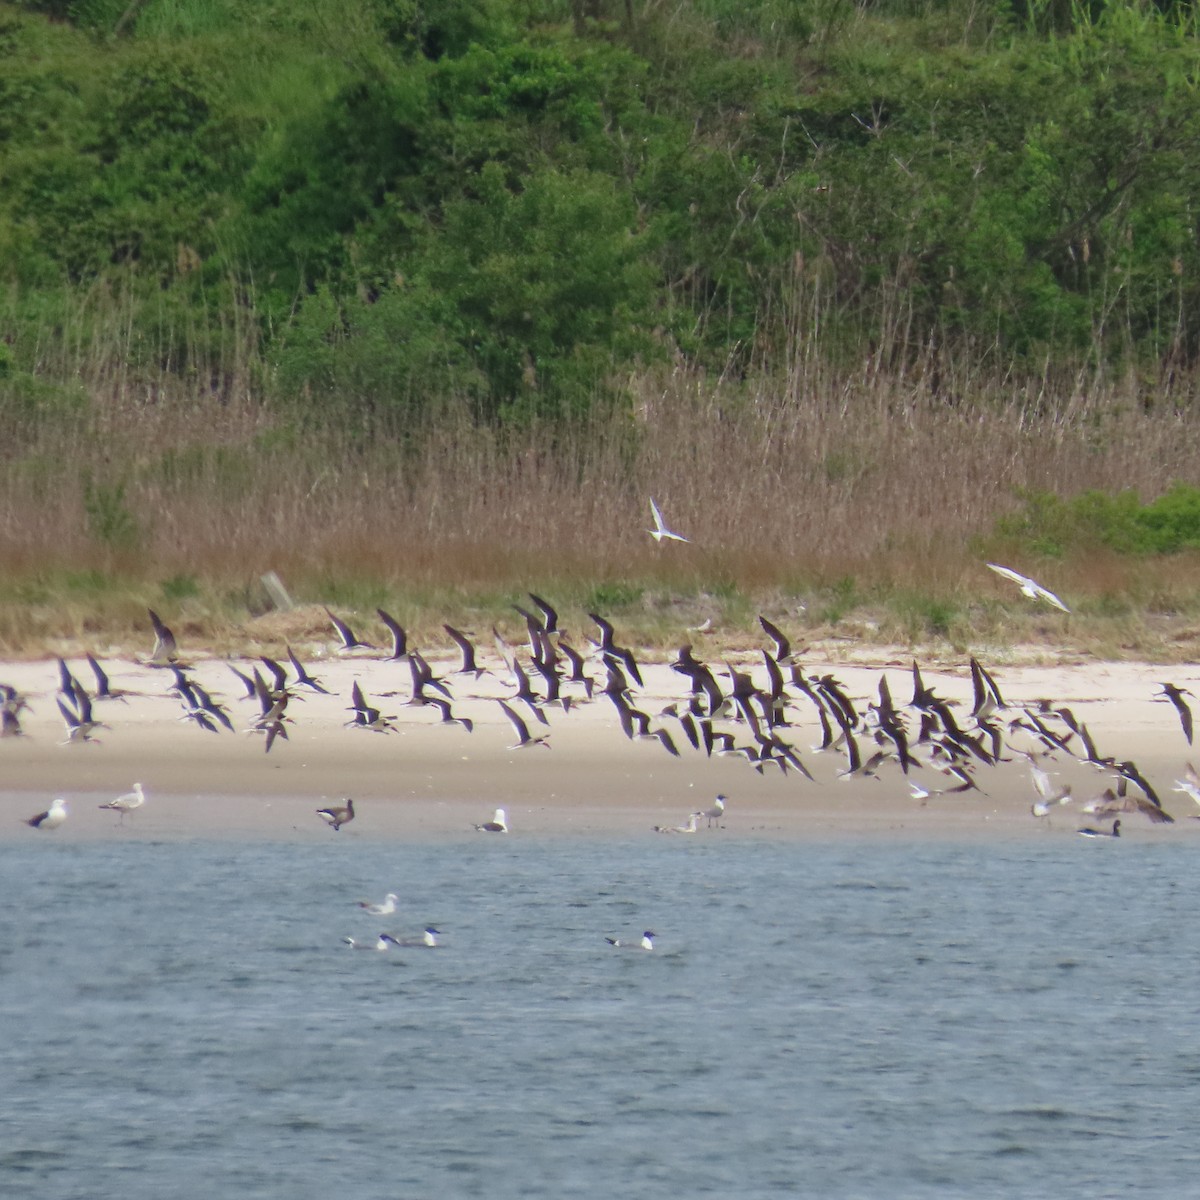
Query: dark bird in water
(337, 817)
(1176, 697)
(1088, 831)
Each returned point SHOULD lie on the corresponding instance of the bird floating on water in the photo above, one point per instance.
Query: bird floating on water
(52, 818)
(660, 531)
(382, 942)
(646, 942)
(1029, 587)
(1089, 832)
(428, 940)
(384, 909)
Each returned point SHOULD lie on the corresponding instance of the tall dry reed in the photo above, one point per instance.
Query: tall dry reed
(785, 481)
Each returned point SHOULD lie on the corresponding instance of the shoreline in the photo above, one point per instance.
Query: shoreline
(428, 780)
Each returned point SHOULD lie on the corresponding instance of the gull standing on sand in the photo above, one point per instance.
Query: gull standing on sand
(1029, 587)
(498, 823)
(337, 817)
(128, 802)
(660, 530)
(716, 812)
(52, 818)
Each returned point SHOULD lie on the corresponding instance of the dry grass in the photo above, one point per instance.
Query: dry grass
(863, 494)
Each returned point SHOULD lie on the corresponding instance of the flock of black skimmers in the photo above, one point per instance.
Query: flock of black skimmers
(771, 712)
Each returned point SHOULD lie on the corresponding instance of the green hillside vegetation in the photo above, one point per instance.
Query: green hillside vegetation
(268, 253)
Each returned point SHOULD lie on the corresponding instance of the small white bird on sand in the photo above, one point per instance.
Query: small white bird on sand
(52, 818)
(498, 823)
(646, 942)
(385, 909)
(1029, 587)
(128, 802)
(660, 530)
(716, 812)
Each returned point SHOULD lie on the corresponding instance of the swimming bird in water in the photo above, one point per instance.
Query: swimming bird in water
(1100, 833)
(646, 942)
(337, 817)
(498, 824)
(1176, 697)
(1029, 587)
(382, 942)
(52, 818)
(429, 941)
(384, 909)
(660, 531)
(128, 802)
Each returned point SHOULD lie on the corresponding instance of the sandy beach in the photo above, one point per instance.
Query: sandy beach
(427, 779)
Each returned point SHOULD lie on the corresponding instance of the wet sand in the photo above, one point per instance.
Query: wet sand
(428, 780)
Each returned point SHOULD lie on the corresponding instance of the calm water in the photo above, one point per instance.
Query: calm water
(833, 1020)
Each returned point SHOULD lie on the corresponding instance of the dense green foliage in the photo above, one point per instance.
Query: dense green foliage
(520, 200)
(1051, 525)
